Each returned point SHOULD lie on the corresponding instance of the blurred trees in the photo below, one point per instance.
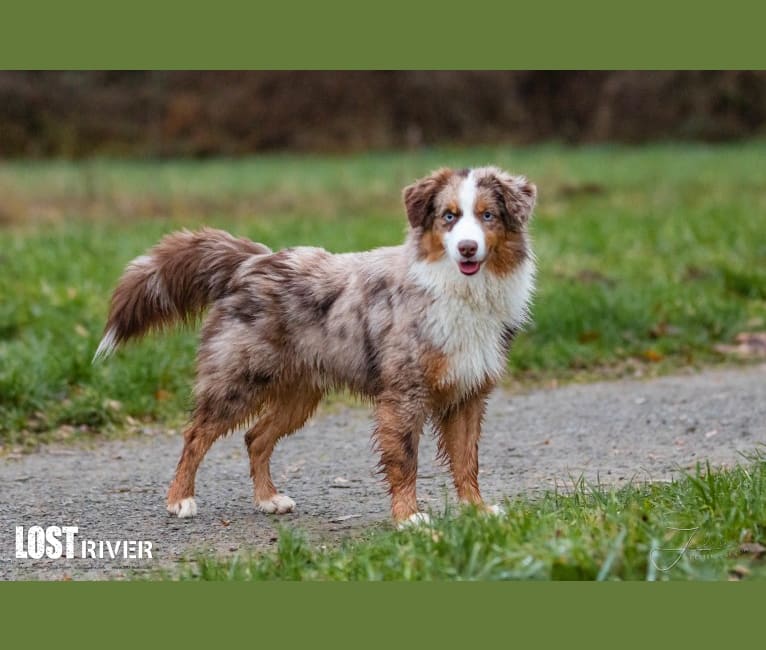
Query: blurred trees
(230, 113)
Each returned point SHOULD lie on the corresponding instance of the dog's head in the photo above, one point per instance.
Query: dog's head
(475, 217)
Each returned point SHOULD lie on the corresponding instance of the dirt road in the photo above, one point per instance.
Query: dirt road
(622, 431)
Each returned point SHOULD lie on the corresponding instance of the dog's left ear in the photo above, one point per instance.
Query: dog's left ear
(518, 196)
(419, 197)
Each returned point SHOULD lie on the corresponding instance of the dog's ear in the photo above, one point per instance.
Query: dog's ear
(517, 194)
(419, 197)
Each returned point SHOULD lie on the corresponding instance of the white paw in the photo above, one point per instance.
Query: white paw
(416, 519)
(496, 510)
(278, 504)
(184, 508)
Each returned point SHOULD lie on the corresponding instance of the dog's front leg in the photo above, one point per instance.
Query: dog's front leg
(399, 423)
(459, 430)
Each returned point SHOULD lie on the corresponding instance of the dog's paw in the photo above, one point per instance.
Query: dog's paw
(278, 504)
(415, 519)
(184, 508)
(497, 510)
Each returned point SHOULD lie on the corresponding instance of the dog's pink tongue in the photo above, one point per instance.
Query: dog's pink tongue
(469, 268)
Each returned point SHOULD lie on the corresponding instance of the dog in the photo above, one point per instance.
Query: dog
(422, 330)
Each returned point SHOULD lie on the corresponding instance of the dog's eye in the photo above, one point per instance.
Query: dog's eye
(487, 216)
(449, 217)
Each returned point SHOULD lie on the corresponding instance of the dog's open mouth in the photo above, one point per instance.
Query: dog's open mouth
(469, 268)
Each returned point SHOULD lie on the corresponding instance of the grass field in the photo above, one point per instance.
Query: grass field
(705, 526)
(648, 257)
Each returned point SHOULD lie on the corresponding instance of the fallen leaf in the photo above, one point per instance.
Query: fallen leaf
(161, 395)
(659, 330)
(663, 329)
(337, 520)
(695, 273)
(588, 336)
(747, 345)
(225, 522)
(753, 548)
(588, 188)
(590, 276)
(653, 355)
(113, 404)
(739, 572)
(340, 482)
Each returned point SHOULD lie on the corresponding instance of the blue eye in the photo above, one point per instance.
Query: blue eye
(449, 217)
(487, 216)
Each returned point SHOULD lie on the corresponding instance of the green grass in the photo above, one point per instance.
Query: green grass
(648, 258)
(590, 534)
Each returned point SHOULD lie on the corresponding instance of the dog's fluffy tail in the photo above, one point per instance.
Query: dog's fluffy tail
(174, 281)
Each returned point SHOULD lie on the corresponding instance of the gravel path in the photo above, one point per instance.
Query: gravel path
(620, 431)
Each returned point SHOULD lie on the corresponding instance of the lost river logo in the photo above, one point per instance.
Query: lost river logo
(55, 542)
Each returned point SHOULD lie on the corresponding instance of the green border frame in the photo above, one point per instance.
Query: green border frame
(356, 35)
(468, 615)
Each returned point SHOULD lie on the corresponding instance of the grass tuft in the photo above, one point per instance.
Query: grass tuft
(704, 526)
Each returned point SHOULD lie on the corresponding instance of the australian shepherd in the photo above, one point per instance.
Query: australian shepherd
(422, 330)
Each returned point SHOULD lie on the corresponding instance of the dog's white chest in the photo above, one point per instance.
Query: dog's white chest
(472, 345)
(469, 317)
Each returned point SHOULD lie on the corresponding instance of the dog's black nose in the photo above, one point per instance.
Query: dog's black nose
(467, 247)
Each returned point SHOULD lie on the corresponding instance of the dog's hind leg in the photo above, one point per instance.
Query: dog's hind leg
(198, 438)
(221, 407)
(286, 411)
